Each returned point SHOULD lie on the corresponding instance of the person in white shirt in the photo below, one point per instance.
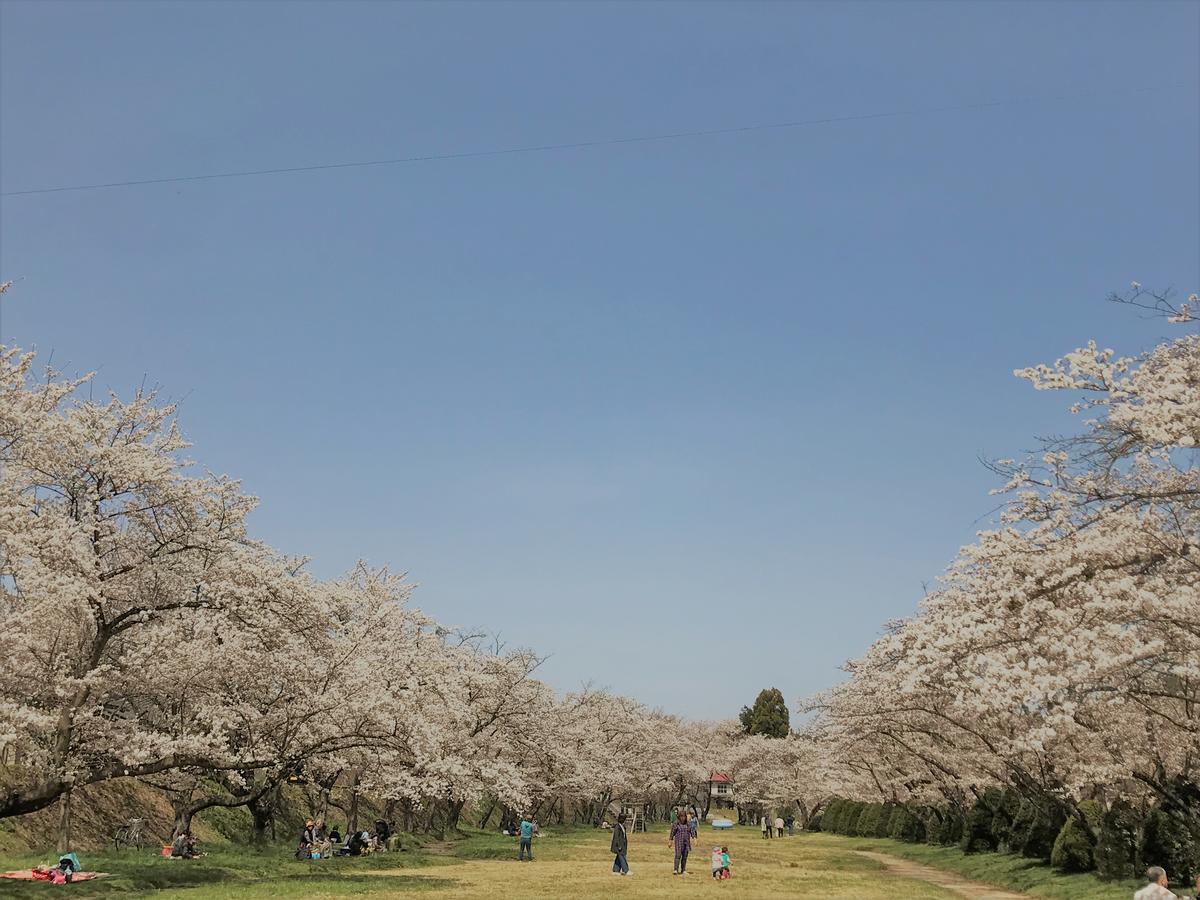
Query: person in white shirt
(1157, 888)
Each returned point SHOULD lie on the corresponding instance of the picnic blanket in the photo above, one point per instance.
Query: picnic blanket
(27, 875)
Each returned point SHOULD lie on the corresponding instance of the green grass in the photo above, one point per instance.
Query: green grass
(571, 862)
(1005, 870)
(224, 872)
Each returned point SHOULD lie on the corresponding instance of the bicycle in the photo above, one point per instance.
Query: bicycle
(129, 834)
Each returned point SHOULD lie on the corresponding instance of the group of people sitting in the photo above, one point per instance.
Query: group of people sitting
(316, 842)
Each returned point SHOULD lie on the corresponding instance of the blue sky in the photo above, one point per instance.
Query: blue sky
(653, 409)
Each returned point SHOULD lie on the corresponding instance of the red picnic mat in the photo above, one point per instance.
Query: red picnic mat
(27, 875)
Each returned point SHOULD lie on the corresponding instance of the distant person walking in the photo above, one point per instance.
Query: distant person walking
(681, 839)
(620, 847)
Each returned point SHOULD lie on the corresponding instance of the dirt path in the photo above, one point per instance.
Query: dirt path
(948, 880)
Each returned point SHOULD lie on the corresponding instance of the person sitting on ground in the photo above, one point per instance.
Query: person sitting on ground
(184, 846)
(305, 845)
(335, 836)
(1157, 887)
(322, 843)
(382, 831)
(354, 846)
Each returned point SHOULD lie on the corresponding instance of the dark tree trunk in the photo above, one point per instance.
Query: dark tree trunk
(262, 810)
(487, 816)
(454, 810)
(64, 823)
(604, 801)
(183, 819)
(352, 815)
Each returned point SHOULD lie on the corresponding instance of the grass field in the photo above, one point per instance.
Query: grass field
(570, 863)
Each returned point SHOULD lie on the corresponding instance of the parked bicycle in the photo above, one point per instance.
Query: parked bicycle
(130, 834)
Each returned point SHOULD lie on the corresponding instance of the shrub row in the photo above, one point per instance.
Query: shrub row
(1117, 842)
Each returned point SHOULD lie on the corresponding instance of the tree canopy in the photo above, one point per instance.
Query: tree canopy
(768, 716)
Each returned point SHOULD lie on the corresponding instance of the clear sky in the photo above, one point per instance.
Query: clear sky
(653, 409)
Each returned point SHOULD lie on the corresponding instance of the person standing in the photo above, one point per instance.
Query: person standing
(620, 847)
(779, 826)
(681, 839)
(766, 829)
(526, 839)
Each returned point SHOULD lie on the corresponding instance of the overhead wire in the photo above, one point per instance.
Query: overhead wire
(579, 145)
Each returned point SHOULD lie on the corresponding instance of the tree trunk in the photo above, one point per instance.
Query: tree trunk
(605, 800)
(64, 823)
(487, 816)
(352, 815)
(454, 810)
(183, 820)
(263, 812)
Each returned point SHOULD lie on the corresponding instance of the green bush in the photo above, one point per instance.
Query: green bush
(850, 822)
(1003, 817)
(831, 818)
(1168, 842)
(814, 823)
(1117, 852)
(949, 828)
(906, 825)
(1073, 847)
(977, 832)
(868, 822)
(884, 826)
(1035, 829)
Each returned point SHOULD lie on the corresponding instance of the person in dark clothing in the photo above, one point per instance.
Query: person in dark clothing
(620, 847)
(184, 846)
(356, 843)
(382, 831)
(305, 846)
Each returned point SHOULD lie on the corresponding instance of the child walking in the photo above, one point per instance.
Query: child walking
(720, 862)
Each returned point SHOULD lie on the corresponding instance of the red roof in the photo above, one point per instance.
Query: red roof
(718, 777)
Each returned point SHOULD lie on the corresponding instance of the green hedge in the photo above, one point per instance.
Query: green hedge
(1073, 847)
(1118, 852)
(1126, 838)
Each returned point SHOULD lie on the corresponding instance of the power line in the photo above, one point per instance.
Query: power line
(579, 145)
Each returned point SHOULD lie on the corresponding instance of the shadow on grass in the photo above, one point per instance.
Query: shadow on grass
(229, 871)
(293, 884)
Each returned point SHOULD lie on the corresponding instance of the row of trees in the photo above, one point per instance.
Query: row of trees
(1056, 668)
(1052, 679)
(144, 633)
